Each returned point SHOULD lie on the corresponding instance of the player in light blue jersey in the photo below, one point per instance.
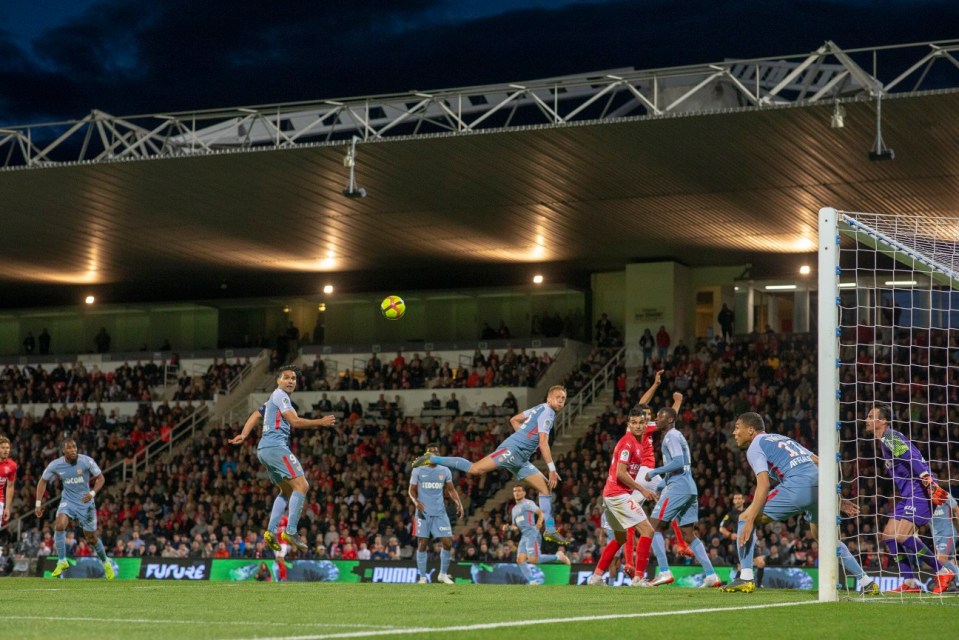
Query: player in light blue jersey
(679, 501)
(279, 418)
(530, 432)
(428, 487)
(944, 539)
(797, 470)
(528, 519)
(76, 503)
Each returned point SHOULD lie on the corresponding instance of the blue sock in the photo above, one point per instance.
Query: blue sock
(101, 552)
(279, 506)
(546, 557)
(546, 506)
(445, 560)
(849, 562)
(524, 567)
(460, 464)
(699, 549)
(659, 548)
(296, 506)
(60, 542)
(745, 553)
(421, 562)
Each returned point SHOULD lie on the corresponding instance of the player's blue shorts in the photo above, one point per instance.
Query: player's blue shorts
(793, 497)
(425, 526)
(506, 459)
(84, 514)
(529, 543)
(917, 511)
(682, 507)
(280, 463)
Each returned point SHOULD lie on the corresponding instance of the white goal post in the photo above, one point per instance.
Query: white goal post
(888, 336)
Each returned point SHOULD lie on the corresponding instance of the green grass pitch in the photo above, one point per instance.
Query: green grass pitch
(79, 609)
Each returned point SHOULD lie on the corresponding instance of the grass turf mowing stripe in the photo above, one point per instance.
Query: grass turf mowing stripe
(527, 623)
(214, 623)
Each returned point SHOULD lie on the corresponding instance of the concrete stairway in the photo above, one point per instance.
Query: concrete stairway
(564, 443)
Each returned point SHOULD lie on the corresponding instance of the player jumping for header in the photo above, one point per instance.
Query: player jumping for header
(531, 431)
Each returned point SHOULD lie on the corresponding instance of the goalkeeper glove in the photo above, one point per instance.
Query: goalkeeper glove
(937, 494)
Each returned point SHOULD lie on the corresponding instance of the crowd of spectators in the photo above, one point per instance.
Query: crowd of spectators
(77, 383)
(510, 368)
(219, 376)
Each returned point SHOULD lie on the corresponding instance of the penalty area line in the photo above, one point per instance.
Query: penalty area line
(529, 623)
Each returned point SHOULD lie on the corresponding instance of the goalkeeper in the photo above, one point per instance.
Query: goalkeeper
(918, 493)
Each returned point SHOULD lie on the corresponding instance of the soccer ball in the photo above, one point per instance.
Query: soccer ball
(393, 307)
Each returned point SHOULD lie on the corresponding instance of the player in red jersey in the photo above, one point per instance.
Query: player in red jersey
(8, 476)
(622, 511)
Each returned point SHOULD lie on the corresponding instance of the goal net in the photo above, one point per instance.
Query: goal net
(888, 345)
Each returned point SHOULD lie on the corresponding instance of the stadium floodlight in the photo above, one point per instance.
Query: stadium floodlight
(349, 161)
(780, 287)
(868, 365)
(838, 120)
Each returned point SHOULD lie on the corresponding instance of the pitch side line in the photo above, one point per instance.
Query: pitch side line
(528, 623)
(214, 623)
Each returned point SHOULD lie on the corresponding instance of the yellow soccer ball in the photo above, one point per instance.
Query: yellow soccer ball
(393, 307)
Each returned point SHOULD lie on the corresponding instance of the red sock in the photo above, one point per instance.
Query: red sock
(630, 547)
(642, 555)
(282, 571)
(680, 540)
(604, 560)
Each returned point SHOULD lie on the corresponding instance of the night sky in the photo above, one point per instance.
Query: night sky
(59, 59)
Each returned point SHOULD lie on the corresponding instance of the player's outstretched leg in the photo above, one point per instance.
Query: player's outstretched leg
(451, 462)
(867, 585)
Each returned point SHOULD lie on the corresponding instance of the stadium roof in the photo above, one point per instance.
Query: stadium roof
(712, 165)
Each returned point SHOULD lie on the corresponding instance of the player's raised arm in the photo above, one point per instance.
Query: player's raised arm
(677, 401)
(652, 390)
(247, 428)
(305, 423)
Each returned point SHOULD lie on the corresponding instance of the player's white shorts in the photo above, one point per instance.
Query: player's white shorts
(652, 484)
(623, 512)
(2, 521)
(284, 549)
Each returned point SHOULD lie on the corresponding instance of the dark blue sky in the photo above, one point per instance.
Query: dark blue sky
(60, 59)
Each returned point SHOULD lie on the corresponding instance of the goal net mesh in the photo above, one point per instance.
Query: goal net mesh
(898, 346)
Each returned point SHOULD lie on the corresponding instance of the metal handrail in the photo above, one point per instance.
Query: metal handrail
(578, 403)
(186, 427)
